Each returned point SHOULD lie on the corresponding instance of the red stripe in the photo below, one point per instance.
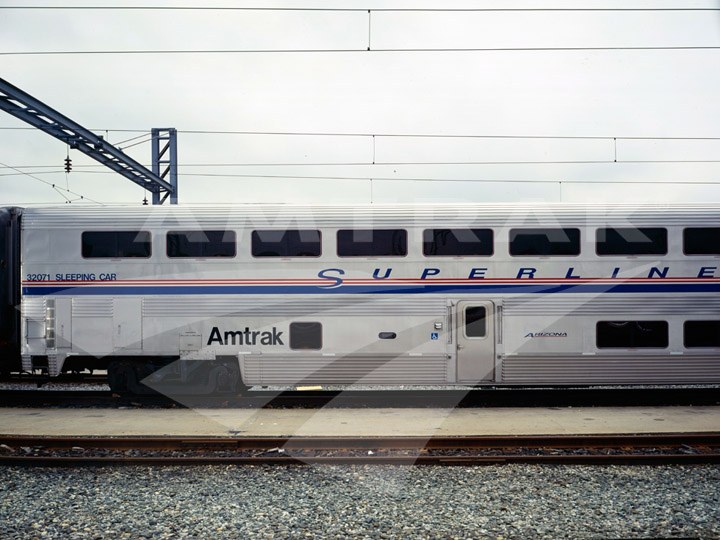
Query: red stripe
(365, 281)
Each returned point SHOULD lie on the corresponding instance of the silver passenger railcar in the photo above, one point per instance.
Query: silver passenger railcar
(211, 298)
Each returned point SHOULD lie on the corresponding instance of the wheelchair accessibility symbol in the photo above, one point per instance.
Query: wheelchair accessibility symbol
(434, 335)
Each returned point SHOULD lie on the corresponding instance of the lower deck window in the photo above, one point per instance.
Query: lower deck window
(702, 334)
(632, 334)
(306, 335)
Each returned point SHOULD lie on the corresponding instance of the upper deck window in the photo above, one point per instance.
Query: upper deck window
(457, 242)
(631, 241)
(116, 244)
(372, 243)
(701, 334)
(286, 243)
(544, 241)
(201, 244)
(701, 241)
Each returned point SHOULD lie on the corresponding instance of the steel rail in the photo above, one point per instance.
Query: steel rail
(666, 448)
(614, 459)
(362, 443)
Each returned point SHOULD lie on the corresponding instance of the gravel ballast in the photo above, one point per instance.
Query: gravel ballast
(511, 501)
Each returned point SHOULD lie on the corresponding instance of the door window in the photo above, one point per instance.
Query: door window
(475, 322)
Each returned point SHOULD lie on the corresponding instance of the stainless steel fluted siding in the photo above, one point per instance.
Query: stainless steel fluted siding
(295, 369)
(214, 306)
(676, 369)
(92, 307)
(33, 308)
(406, 215)
(688, 304)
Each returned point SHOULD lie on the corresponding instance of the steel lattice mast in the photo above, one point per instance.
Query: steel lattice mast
(39, 115)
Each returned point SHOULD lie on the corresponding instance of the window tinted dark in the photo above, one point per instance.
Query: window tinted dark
(116, 244)
(629, 241)
(701, 241)
(290, 243)
(457, 242)
(372, 243)
(306, 335)
(632, 334)
(475, 321)
(201, 244)
(702, 334)
(544, 241)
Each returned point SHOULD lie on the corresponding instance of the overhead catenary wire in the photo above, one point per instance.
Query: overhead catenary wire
(143, 141)
(398, 163)
(413, 163)
(366, 47)
(54, 186)
(332, 9)
(360, 50)
(374, 137)
(418, 179)
(442, 135)
(480, 180)
(144, 132)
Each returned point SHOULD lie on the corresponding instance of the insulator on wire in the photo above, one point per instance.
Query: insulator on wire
(68, 164)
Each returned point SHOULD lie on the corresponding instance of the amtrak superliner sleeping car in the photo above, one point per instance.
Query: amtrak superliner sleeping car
(214, 298)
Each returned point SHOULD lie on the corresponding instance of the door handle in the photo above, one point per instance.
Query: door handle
(460, 347)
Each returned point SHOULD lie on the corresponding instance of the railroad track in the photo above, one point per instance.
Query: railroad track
(485, 397)
(673, 448)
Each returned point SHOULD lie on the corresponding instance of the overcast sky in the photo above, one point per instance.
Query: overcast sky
(642, 98)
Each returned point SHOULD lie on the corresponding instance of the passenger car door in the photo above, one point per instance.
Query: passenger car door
(475, 341)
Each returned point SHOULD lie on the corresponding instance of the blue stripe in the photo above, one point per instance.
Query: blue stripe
(490, 288)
